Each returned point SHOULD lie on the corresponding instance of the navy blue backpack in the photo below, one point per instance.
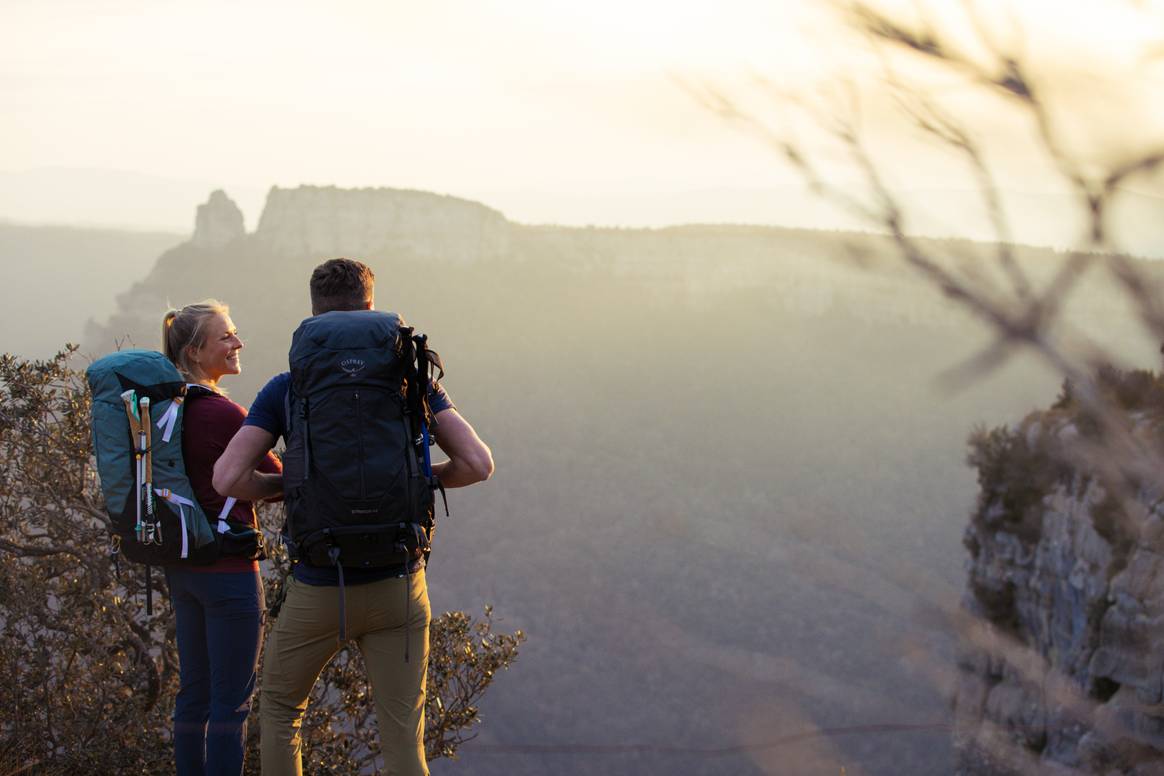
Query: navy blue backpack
(358, 484)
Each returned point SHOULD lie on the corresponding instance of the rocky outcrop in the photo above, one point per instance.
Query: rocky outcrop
(219, 222)
(413, 239)
(1062, 666)
(389, 223)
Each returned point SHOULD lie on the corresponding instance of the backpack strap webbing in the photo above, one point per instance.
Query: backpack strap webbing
(426, 361)
(228, 505)
(334, 553)
(413, 396)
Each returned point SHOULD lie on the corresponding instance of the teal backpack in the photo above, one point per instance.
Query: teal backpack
(138, 398)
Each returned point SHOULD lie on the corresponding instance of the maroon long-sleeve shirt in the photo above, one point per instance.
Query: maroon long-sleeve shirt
(210, 421)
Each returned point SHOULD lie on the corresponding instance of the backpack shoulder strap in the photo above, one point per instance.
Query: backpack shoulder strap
(194, 390)
(169, 418)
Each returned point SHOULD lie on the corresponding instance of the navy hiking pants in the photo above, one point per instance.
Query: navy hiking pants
(219, 624)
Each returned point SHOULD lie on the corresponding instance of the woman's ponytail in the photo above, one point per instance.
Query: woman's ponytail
(169, 349)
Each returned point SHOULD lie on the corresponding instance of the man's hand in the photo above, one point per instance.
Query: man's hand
(235, 473)
(470, 459)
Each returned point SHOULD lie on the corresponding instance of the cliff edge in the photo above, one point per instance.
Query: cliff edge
(1062, 664)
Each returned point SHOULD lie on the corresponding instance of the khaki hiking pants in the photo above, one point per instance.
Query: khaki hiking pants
(306, 637)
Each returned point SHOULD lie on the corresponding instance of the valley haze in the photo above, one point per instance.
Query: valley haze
(728, 489)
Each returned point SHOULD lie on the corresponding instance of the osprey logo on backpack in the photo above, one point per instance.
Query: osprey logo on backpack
(352, 366)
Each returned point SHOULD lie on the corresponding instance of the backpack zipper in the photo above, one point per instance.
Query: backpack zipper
(360, 438)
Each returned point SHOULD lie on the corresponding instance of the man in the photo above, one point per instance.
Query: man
(386, 607)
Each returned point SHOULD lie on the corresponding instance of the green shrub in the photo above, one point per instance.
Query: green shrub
(1013, 478)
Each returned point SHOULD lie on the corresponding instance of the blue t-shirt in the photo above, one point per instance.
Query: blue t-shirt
(269, 412)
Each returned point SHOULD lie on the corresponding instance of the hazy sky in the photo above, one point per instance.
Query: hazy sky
(444, 95)
(549, 110)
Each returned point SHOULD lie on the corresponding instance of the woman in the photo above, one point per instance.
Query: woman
(219, 607)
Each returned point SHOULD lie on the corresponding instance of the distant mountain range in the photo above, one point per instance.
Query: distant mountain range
(119, 199)
(418, 236)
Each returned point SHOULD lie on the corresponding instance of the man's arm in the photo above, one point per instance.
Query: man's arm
(235, 471)
(470, 459)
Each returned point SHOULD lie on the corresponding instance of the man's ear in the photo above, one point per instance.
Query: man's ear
(370, 303)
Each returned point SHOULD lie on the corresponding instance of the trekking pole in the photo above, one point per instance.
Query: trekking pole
(147, 527)
(153, 534)
(129, 398)
(148, 466)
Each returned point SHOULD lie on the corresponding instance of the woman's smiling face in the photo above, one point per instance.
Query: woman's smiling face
(219, 353)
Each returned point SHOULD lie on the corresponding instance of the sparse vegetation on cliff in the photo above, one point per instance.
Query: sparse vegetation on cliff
(1014, 475)
(1062, 591)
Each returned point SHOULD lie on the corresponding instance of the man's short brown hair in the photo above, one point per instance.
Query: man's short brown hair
(341, 284)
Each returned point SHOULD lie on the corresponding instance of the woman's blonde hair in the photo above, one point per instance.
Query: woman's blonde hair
(185, 328)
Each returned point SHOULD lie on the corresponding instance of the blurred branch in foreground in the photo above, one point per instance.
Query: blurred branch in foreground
(1062, 619)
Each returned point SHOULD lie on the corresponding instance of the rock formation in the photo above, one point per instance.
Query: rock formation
(328, 221)
(219, 222)
(1062, 669)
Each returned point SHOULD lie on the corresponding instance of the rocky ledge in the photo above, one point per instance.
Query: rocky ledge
(1062, 665)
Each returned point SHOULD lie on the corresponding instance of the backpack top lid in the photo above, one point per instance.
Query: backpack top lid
(147, 372)
(343, 346)
(341, 329)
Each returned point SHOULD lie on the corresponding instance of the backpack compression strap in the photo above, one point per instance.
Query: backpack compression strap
(419, 362)
(169, 418)
(426, 361)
